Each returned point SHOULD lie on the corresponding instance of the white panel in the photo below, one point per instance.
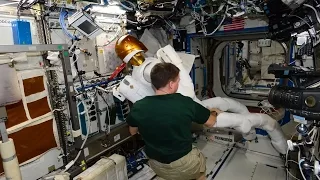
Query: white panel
(253, 47)
(85, 62)
(6, 31)
(212, 151)
(108, 59)
(9, 91)
(7, 39)
(121, 166)
(104, 169)
(275, 49)
(40, 167)
(58, 37)
(237, 166)
(263, 172)
(263, 152)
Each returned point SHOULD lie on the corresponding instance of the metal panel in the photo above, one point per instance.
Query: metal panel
(64, 55)
(236, 165)
(32, 48)
(264, 172)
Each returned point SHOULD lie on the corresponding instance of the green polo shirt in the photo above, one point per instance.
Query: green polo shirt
(164, 123)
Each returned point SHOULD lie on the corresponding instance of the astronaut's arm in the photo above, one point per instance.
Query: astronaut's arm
(211, 120)
(133, 130)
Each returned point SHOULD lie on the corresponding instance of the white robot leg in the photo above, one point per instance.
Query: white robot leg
(225, 104)
(244, 121)
(228, 104)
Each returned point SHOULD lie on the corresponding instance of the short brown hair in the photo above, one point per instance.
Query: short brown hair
(163, 73)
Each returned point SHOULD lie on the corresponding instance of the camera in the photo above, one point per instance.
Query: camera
(304, 98)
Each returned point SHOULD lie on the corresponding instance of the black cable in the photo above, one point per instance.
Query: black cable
(313, 52)
(79, 72)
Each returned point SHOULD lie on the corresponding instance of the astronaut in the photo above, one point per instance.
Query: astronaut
(138, 85)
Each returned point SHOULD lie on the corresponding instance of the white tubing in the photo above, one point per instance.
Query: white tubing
(10, 160)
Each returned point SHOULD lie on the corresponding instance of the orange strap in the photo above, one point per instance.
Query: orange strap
(117, 71)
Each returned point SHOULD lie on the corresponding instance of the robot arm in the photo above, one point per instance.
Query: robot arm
(186, 87)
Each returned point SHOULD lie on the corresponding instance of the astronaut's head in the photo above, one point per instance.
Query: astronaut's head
(165, 78)
(130, 50)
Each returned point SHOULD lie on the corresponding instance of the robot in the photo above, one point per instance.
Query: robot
(138, 85)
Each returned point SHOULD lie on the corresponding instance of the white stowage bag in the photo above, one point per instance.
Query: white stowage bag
(9, 86)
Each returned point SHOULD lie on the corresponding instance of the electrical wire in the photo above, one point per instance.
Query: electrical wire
(150, 24)
(22, 7)
(302, 20)
(57, 110)
(293, 161)
(286, 159)
(300, 168)
(109, 118)
(220, 24)
(292, 175)
(108, 111)
(113, 38)
(75, 61)
(315, 11)
(63, 15)
(8, 4)
(71, 163)
(126, 7)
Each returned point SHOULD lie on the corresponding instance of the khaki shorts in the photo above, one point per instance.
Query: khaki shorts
(190, 166)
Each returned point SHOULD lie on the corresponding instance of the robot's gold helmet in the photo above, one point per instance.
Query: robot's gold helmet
(129, 49)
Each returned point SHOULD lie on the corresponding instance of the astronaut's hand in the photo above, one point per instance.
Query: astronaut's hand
(215, 110)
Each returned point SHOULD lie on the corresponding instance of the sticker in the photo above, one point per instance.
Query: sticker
(101, 51)
(116, 138)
